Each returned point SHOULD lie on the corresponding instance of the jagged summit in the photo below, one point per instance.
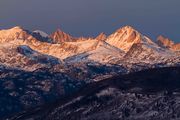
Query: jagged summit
(167, 43)
(59, 36)
(102, 36)
(126, 28)
(60, 31)
(125, 37)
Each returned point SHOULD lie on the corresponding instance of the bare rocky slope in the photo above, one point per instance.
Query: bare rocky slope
(59, 36)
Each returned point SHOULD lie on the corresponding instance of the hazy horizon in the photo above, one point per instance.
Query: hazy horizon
(89, 18)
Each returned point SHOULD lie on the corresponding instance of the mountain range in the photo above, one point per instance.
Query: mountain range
(37, 68)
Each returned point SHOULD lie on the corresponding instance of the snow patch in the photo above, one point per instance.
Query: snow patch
(43, 34)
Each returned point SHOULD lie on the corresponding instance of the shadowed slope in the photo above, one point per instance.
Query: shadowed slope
(134, 96)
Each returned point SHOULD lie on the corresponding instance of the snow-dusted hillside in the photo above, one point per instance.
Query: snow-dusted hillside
(149, 52)
(151, 95)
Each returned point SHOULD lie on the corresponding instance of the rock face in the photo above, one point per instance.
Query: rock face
(176, 47)
(167, 43)
(59, 36)
(125, 37)
(164, 42)
(36, 56)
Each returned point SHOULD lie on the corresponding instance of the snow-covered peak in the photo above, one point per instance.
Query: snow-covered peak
(12, 30)
(125, 37)
(126, 28)
(17, 28)
(14, 33)
(18, 34)
(42, 33)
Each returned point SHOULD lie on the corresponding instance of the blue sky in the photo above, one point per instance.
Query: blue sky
(90, 17)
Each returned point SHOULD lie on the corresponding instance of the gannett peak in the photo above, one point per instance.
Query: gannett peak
(125, 37)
